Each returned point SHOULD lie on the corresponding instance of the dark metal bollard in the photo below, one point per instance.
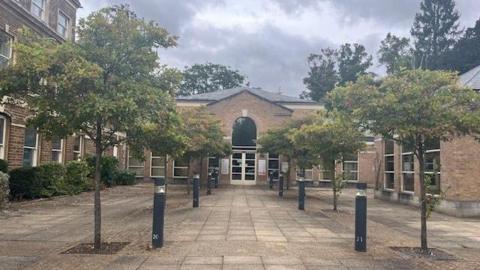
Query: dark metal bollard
(159, 200)
(280, 185)
(210, 181)
(216, 175)
(270, 180)
(301, 194)
(361, 218)
(196, 190)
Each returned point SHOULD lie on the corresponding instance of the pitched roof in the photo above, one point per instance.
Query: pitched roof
(223, 94)
(471, 78)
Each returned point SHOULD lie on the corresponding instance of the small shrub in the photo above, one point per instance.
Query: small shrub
(24, 184)
(4, 189)
(124, 177)
(108, 168)
(76, 178)
(3, 166)
(52, 179)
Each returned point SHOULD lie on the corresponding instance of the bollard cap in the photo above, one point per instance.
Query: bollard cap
(159, 189)
(362, 186)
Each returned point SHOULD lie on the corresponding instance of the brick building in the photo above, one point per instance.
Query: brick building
(453, 166)
(246, 113)
(20, 145)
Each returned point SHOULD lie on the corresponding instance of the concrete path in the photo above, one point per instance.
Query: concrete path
(235, 228)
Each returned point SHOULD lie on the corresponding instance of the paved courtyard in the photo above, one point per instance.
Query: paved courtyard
(235, 228)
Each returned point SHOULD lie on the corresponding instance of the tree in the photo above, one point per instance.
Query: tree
(465, 55)
(395, 53)
(434, 31)
(413, 108)
(279, 141)
(333, 137)
(353, 62)
(205, 135)
(104, 86)
(205, 78)
(322, 76)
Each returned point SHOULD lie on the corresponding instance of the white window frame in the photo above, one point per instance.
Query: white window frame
(322, 171)
(388, 172)
(157, 167)
(2, 143)
(356, 171)
(78, 152)
(35, 149)
(142, 166)
(432, 172)
(60, 151)
(42, 9)
(402, 187)
(66, 27)
(180, 167)
(8, 57)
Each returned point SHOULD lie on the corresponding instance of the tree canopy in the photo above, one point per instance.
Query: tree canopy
(395, 53)
(434, 31)
(205, 78)
(322, 76)
(465, 55)
(205, 134)
(331, 138)
(106, 85)
(412, 108)
(332, 67)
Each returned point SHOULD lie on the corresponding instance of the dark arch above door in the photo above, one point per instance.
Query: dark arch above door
(244, 132)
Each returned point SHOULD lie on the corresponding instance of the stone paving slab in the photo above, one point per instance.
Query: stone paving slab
(235, 228)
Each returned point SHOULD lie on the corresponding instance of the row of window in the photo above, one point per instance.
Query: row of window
(38, 9)
(31, 142)
(432, 166)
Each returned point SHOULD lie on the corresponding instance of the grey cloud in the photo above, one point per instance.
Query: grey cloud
(270, 58)
(273, 57)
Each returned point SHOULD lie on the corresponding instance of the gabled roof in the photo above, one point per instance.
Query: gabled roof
(223, 94)
(471, 78)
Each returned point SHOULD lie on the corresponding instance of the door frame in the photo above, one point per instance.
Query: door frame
(243, 181)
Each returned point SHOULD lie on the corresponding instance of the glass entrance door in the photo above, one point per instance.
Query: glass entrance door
(244, 168)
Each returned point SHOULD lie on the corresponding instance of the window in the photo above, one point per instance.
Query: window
(30, 147)
(326, 170)
(38, 8)
(350, 167)
(408, 169)
(3, 129)
(308, 173)
(63, 23)
(432, 165)
(213, 164)
(157, 165)
(180, 169)
(57, 147)
(274, 166)
(77, 147)
(389, 164)
(136, 166)
(5, 49)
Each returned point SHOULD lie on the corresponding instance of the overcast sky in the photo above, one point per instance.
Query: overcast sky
(269, 40)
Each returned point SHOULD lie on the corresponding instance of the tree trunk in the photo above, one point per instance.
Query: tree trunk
(423, 202)
(334, 198)
(97, 202)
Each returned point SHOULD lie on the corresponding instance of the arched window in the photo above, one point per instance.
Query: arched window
(244, 132)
